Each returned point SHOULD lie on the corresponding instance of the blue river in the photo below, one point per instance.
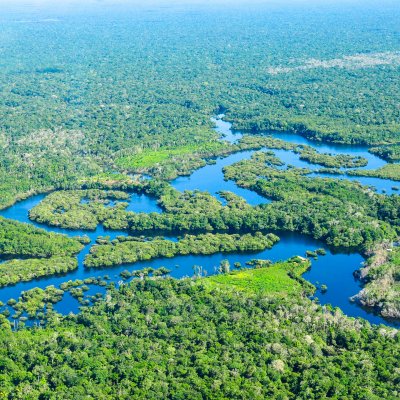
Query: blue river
(335, 270)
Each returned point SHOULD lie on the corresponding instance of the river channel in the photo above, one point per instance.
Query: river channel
(335, 270)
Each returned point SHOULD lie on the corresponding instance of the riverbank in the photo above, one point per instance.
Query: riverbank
(333, 271)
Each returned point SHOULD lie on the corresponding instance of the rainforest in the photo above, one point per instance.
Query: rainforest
(199, 200)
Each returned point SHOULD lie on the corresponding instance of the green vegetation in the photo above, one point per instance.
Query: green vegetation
(43, 253)
(34, 302)
(278, 280)
(94, 98)
(332, 161)
(381, 277)
(15, 271)
(157, 108)
(257, 142)
(148, 158)
(145, 272)
(131, 249)
(321, 252)
(307, 153)
(311, 254)
(388, 171)
(77, 209)
(234, 336)
(23, 240)
(340, 212)
(170, 163)
(66, 286)
(389, 153)
(36, 305)
(343, 213)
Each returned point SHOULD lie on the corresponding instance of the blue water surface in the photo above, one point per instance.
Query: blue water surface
(333, 270)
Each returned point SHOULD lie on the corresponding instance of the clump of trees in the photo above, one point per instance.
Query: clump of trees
(23, 240)
(77, 209)
(388, 171)
(35, 252)
(145, 272)
(14, 271)
(35, 302)
(389, 153)
(130, 250)
(322, 203)
(309, 154)
(381, 278)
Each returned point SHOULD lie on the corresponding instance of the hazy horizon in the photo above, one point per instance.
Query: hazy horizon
(171, 3)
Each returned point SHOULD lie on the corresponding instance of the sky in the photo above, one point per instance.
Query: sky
(50, 3)
(59, 6)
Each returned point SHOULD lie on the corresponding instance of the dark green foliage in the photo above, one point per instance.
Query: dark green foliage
(43, 253)
(134, 249)
(342, 213)
(15, 271)
(389, 153)
(184, 339)
(17, 239)
(331, 161)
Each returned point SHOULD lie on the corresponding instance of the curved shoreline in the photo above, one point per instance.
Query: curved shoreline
(323, 271)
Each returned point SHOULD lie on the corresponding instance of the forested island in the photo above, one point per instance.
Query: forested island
(200, 201)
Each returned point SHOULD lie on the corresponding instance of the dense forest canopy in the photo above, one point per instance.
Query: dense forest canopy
(103, 101)
(92, 87)
(246, 335)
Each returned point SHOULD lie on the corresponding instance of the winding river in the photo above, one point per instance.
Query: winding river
(335, 270)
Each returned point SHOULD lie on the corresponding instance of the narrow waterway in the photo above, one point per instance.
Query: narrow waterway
(333, 270)
(293, 159)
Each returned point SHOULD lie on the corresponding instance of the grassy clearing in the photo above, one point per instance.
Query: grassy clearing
(280, 279)
(148, 158)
